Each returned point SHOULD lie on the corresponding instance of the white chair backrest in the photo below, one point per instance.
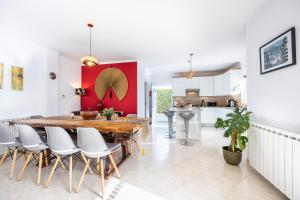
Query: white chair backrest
(6, 135)
(28, 136)
(91, 140)
(58, 139)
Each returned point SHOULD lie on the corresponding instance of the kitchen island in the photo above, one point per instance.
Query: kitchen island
(194, 124)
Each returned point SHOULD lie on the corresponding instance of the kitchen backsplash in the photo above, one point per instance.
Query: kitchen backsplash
(196, 101)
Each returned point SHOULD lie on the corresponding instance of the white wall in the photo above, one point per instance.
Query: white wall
(274, 97)
(40, 95)
(51, 85)
(141, 89)
(32, 100)
(69, 78)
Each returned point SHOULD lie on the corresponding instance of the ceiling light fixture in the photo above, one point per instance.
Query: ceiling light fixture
(90, 60)
(190, 72)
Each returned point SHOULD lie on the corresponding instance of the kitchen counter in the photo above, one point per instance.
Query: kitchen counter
(193, 109)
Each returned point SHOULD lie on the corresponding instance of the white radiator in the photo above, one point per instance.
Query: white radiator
(275, 153)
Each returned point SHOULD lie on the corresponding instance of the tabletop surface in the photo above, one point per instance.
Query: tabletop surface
(119, 125)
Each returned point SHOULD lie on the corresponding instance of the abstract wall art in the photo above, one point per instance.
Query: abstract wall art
(17, 78)
(1, 75)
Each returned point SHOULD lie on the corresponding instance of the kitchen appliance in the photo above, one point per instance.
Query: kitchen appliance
(192, 92)
(231, 103)
(212, 104)
(202, 103)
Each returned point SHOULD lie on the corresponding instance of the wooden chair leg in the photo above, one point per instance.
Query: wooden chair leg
(46, 157)
(62, 164)
(85, 161)
(114, 165)
(12, 168)
(24, 166)
(137, 144)
(3, 157)
(83, 174)
(70, 173)
(102, 177)
(131, 148)
(25, 156)
(40, 168)
(98, 164)
(52, 171)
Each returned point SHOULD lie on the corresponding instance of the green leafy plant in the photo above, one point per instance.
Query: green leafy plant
(163, 99)
(236, 124)
(108, 112)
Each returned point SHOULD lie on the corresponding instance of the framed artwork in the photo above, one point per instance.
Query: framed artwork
(17, 78)
(279, 52)
(1, 75)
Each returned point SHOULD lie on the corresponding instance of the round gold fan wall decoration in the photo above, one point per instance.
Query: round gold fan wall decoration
(111, 78)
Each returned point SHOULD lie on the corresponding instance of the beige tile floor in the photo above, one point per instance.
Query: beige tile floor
(167, 171)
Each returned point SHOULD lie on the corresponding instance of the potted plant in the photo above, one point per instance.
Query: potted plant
(108, 112)
(236, 124)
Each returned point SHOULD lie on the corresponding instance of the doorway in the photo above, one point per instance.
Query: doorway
(162, 100)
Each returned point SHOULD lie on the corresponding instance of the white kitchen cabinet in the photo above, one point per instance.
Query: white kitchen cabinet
(227, 83)
(222, 112)
(218, 85)
(192, 83)
(178, 86)
(226, 88)
(235, 81)
(208, 115)
(206, 85)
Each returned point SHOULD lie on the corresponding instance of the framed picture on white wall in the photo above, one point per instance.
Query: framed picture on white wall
(279, 52)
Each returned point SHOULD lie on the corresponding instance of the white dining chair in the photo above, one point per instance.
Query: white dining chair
(62, 145)
(93, 146)
(9, 142)
(34, 146)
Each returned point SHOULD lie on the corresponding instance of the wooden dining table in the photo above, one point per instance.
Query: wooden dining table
(117, 130)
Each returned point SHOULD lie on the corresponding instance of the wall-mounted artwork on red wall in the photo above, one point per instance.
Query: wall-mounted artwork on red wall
(128, 105)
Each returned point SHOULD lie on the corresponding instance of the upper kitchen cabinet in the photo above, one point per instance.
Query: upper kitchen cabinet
(219, 85)
(192, 83)
(235, 81)
(178, 86)
(206, 85)
(227, 83)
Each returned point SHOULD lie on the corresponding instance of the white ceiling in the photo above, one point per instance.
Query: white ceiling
(160, 33)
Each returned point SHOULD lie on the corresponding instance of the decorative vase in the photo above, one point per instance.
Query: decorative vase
(108, 117)
(232, 158)
(89, 115)
(99, 105)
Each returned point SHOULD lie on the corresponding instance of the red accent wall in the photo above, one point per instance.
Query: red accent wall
(90, 100)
